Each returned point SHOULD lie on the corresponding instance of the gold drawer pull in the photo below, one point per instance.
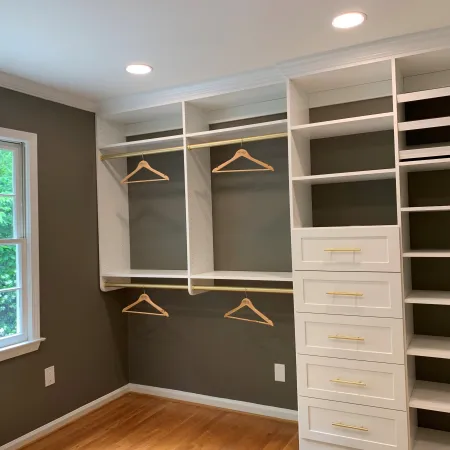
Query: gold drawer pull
(345, 338)
(349, 294)
(350, 427)
(354, 383)
(342, 250)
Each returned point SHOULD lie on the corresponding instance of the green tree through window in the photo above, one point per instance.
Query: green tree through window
(8, 299)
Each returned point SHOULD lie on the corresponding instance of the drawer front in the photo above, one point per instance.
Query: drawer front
(360, 427)
(360, 382)
(305, 444)
(352, 293)
(362, 338)
(354, 249)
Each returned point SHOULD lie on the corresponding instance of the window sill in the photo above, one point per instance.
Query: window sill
(20, 349)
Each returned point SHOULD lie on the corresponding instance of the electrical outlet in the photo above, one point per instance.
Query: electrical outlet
(49, 376)
(280, 372)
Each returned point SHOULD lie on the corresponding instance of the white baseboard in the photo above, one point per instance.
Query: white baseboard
(64, 420)
(233, 405)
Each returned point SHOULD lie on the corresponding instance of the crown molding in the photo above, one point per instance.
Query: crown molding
(358, 54)
(383, 49)
(29, 87)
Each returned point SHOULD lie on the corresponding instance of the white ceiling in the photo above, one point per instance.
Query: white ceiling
(83, 46)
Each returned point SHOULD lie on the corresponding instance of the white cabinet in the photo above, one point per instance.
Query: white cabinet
(359, 382)
(355, 249)
(353, 426)
(362, 338)
(374, 294)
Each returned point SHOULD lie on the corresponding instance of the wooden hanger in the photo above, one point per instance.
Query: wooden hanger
(145, 165)
(145, 298)
(247, 302)
(241, 153)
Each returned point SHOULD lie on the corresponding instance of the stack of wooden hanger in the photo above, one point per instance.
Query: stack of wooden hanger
(246, 302)
(241, 153)
(145, 165)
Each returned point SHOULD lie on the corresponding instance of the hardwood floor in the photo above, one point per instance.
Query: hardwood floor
(138, 422)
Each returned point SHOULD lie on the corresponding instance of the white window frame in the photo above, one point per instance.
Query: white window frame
(27, 237)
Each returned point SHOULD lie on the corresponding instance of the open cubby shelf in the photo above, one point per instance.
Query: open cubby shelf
(347, 177)
(428, 298)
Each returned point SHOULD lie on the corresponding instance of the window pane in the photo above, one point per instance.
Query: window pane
(6, 217)
(8, 313)
(6, 172)
(8, 266)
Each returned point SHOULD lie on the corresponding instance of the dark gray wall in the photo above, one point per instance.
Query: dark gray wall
(86, 333)
(196, 349)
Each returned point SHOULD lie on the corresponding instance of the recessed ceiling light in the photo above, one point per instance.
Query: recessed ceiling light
(349, 20)
(139, 69)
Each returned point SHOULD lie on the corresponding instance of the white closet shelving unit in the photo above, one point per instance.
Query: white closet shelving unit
(194, 119)
(356, 142)
(423, 133)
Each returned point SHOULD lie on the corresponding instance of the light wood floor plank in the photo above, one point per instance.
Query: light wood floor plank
(140, 422)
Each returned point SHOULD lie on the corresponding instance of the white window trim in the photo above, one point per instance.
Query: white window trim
(29, 141)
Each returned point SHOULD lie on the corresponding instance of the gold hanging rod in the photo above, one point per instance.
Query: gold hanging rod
(243, 289)
(195, 146)
(180, 287)
(202, 288)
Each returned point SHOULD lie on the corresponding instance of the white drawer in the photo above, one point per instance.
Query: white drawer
(355, 249)
(354, 426)
(374, 294)
(306, 444)
(362, 338)
(360, 382)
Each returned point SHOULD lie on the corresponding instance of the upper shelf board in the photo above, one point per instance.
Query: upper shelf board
(144, 144)
(425, 165)
(244, 276)
(431, 396)
(347, 177)
(172, 112)
(427, 254)
(223, 134)
(423, 95)
(358, 75)
(427, 439)
(242, 97)
(422, 124)
(430, 346)
(344, 127)
(429, 298)
(425, 152)
(138, 273)
(425, 208)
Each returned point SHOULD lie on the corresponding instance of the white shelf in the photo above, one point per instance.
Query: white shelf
(430, 346)
(429, 298)
(427, 439)
(431, 396)
(420, 151)
(426, 123)
(245, 276)
(427, 254)
(425, 165)
(257, 129)
(423, 95)
(138, 273)
(143, 144)
(366, 175)
(343, 127)
(425, 208)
